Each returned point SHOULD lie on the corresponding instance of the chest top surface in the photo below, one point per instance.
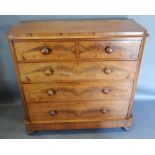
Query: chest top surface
(76, 29)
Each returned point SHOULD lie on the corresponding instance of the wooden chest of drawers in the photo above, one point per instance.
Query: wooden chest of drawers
(77, 74)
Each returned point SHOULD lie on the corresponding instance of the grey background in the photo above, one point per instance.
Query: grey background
(8, 86)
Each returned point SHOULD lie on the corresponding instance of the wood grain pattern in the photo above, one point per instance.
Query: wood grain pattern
(136, 77)
(33, 50)
(81, 111)
(77, 91)
(120, 49)
(76, 29)
(36, 72)
(106, 123)
(12, 49)
(77, 74)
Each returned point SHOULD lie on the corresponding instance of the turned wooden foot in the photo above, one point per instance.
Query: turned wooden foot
(30, 132)
(126, 128)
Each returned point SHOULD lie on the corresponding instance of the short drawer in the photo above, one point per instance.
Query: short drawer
(60, 71)
(77, 111)
(39, 50)
(78, 91)
(109, 49)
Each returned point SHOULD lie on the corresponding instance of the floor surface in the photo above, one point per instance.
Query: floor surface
(12, 126)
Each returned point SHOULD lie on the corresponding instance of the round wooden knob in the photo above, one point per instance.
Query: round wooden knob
(109, 50)
(52, 112)
(104, 110)
(50, 92)
(48, 72)
(46, 51)
(107, 70)
(106, 91)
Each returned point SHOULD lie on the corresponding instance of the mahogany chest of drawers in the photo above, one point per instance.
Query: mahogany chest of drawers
(77, 74)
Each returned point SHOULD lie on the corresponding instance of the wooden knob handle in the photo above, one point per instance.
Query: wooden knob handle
(46, 51)
(106, 91)
(107, 70)
(50, 92)
(52, 112)
(108, 50)
(48, 72)
(104, 110)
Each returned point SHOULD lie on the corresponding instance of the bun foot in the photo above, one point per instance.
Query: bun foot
(30, 132)
(126, 128)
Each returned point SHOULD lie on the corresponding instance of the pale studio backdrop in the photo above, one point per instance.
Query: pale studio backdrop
(8, 86)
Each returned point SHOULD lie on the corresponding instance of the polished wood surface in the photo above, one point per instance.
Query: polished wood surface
(77, 74)
(58, 71)
(76, 29)
(77, 91)
(105, 123)
(34, 50)
(77, 111)
(101, 49)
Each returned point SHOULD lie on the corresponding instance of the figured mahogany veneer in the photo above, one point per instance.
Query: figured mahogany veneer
(28, 51)
(35, 50)
(109, 49)
(77, 111)
(77, 91)
(77, 74)
(58, 71)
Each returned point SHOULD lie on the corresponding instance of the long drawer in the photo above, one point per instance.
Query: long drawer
(77, 111)
(47, 72)
(109, 49)
(77, 91)
(44, 50)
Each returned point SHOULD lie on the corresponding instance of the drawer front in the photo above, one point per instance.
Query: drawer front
(109, 49)
(110, 90)
(73, 111)
(47, 72)
(28, 51)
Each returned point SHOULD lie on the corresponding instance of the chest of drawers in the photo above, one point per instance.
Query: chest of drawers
(77, 74)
